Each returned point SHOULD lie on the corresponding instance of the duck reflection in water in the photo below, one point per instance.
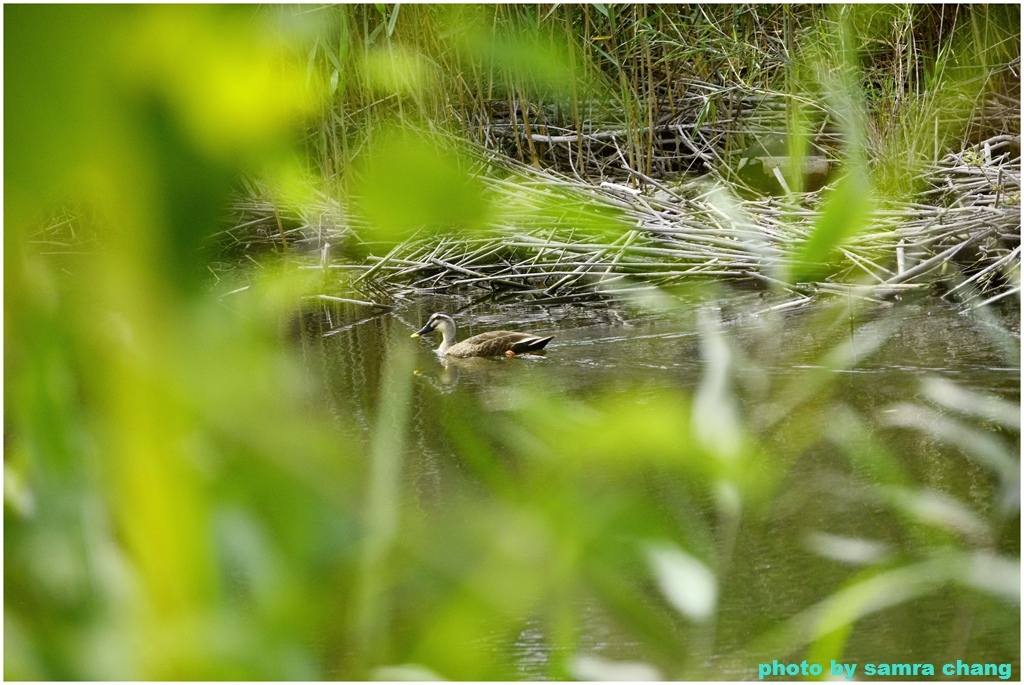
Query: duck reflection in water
(452, 367)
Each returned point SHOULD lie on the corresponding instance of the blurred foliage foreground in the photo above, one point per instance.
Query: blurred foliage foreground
(179, 505)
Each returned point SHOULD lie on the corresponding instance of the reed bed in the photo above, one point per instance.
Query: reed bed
(967, 235)
(666, 106)
(705, 128)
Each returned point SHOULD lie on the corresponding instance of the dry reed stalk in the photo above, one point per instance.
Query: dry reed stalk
(675, 233)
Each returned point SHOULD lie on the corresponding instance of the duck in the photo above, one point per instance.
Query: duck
(491, 344)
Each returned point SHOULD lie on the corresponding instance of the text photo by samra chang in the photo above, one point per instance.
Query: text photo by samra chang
(837, 670)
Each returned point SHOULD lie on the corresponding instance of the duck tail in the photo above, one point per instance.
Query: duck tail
(531, 344)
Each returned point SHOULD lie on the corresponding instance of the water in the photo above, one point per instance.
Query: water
(776, 566)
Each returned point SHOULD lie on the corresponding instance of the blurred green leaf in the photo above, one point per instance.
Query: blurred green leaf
(970, 402)
(588, 667)
(370, 616)
(408, 181)
(684, 581)
(393, 19)
(532, 62)
(403, 672)
(981, 446)
(857, 551)
(56, 59)
(716, 419)
(395, 70)
(845, 212)
(940, 510)
(220, 76)
(876, 591)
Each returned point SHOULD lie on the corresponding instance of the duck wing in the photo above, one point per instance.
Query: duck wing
(531, 343)
(497, 343)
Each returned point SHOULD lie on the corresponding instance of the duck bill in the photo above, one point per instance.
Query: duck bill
(423, 331)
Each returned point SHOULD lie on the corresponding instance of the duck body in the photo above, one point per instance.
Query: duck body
(491, 344)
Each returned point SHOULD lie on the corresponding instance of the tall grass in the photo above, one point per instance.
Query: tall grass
(505, 75)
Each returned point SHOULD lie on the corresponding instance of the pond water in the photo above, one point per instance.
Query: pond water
(777, 568)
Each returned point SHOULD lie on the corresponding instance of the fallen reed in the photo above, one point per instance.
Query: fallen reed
(677, 232)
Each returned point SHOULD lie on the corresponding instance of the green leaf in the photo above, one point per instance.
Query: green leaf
(393, 19)
(343, 39)
(686, 582)
(846, 212)
(407, 181)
